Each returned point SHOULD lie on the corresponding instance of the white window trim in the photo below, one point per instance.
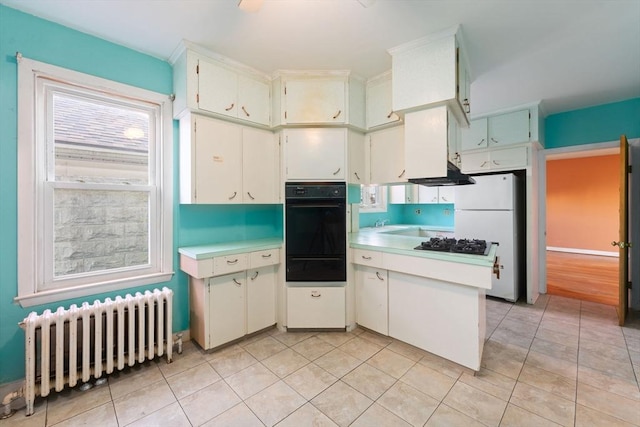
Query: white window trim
(30, 186)
(382, 205)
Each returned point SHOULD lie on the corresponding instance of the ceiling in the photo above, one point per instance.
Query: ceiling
(569, 54)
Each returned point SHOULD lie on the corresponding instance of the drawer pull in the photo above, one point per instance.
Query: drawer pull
(235, 193)
(255, 276)
(495, 163)
(230, 107)
(335, 116)
(315, 294)
(494, 140)
(245, 112)
(237, 283)
(379, 277)
(483, 164)
(336, 172)
(390, 114)
(481, 141)
(235, 261)
(250, 196)
(368, 258)
(357, 177)
(266, 256)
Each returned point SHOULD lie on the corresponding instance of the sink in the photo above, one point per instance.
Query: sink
(412, 231)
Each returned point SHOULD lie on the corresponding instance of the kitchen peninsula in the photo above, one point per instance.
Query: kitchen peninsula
(432, 300)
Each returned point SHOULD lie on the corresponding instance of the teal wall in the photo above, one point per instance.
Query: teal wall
(431, 214)
(48, 42)
(601, 123)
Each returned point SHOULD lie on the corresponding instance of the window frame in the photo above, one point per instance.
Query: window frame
(35, 191)
(382, 193)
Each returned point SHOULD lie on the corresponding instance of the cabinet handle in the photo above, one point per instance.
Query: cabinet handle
(465, 103)
(444, 199)
(245, 111)
(336, 172)
(229, 108)
(402, 174)
(495, 163)
(235, 261)
(379, 277)
(337, 114)
(483, 163)
(357, 177)
(366, 257)
(390, 114)
(315, 295)
(250, 196)
(481, 141)
(237, 283)
(494, 140)
(235, 193)
(266, 256)
(255, 276)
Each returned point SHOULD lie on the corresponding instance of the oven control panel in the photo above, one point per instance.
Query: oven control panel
(315, 190)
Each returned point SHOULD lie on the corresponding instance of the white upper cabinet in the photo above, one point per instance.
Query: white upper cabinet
(420, 194)
(333, 98)
(315, 154)
(426, 147)
(225, 163)
(497, 131)
(211, 86)
(387, 156)
(379, 109)
(358, 158)
(432, 71)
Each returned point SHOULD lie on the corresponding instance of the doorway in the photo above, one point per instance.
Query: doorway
(582, 194)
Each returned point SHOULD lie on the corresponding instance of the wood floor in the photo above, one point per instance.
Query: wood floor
(585, 277)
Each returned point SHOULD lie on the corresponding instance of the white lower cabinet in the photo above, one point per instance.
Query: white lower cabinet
(372, 298)
(316, 307)
(236, 301)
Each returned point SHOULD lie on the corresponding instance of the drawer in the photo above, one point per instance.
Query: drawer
(230, 264)
(262, 258)
(316, 307)
(198, 268)
(366, 257)
(509, 158)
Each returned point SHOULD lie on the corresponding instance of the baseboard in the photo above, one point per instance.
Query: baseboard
(583, 251)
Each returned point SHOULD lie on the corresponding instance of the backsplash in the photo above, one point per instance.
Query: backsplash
(438, 215)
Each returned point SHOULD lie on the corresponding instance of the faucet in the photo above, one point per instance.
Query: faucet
(381, 222)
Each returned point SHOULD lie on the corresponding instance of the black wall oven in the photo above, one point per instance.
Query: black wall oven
(316, 232)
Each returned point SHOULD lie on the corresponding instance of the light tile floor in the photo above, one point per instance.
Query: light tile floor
(558, 362)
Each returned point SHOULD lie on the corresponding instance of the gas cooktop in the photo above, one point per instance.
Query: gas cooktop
(461, 246)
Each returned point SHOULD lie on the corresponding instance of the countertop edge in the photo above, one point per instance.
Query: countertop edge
(229, 248)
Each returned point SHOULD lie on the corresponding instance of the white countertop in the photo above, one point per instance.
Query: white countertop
(229, 248)
(377, 238)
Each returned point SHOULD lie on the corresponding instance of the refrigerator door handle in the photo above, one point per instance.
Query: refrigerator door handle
(496, 267)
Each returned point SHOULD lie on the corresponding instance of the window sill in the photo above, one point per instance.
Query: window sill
(57, 295)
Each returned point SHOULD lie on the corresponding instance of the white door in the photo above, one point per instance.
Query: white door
(494, 192)
(227, 308)
(218, 161)
(259, 166)
(387, 156)
(217, 89)
(254, 101)
(315, 101)
(315, 154)
(372, 299)
(500, 227)
(261, 298)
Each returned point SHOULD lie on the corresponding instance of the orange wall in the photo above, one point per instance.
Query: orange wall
(582, 202)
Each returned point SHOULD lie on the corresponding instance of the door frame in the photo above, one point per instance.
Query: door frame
(570, 152)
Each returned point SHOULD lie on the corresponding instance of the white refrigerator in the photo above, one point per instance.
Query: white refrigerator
(489, 210)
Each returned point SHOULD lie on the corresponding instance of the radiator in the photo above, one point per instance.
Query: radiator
(77, 344)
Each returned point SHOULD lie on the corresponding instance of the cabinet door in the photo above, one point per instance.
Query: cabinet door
(398, 194)
(427, 195)
(315, 154)
(510, 158)
(475, 162)
(509, 128)
(261, 298)
(218, 161)
(446, 195)
(387, 156)
(475, 137)
(217, 89)
(453, 140)
(372, 299)
(260, 162)
(315, 101)
(254, 100)
(227, 308)
(379, 110)
(357, 159)
(321, 307)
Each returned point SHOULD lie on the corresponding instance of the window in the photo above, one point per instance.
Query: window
(94, 172)
(373, 198)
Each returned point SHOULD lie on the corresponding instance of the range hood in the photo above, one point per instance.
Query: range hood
(454, 177)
